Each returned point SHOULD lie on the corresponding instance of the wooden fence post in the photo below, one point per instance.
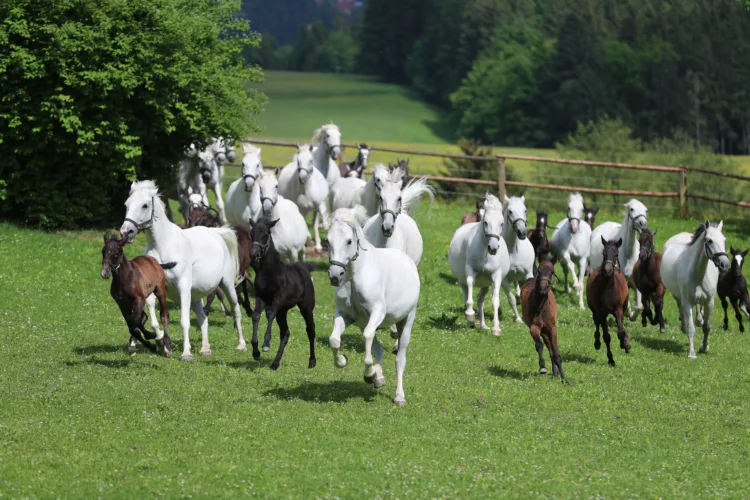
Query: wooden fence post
(501, 178)
(683, 194)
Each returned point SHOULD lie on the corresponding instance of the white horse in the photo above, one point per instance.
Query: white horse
(571, 244)
(210, 168)
(393, 227)
(327, 142)
(190, 181)
(290, 234)
(690, 270)
(520, 249)
(307, 187)
(204, 259)
(243, 195)
(479, 256)
(376, 287)
(632, 224)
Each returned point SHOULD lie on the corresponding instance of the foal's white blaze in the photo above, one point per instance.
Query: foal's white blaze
(738, 258)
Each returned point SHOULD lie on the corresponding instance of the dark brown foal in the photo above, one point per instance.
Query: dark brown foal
(647, 279)
(540, 315)
(732, 286)
(607, 293)
(132, 282)
(473, 216)
(538, 236)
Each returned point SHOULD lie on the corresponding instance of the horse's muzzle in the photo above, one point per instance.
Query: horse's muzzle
(491, 250)
(609, 269)
(335, 275)
(574, 226)
(267, 207)
(106, 272)
(335, 152)
(128, 231)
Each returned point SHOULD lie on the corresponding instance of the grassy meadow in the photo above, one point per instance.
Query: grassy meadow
(81, 418)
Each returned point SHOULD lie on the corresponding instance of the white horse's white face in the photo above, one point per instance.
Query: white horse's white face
(365, 153)
(575, 214)
(715, 247)
(390, 206)
(516, 215)
(380, 177)
(492, 226)
(251, 169)
(343, 247)
(305, 163)
(197, 200)
(139, 213)
(332, 140)
(269, 192)
(637, 215)
(208, 167)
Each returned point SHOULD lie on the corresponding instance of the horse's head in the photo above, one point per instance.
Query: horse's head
(222, 151)
(545, 277)
(330, 137)
(208, 166)
(515, 214)
(390, 206)
(715, 246)
(262, 239)
(305, 162)
(251, 166)
(589, 215)
(637, 215)
(269, 191)
(345, 240)
(492, 223)
(541, 219)
(364, 155)
(738, 258)
(575, 211)
(380, 176)
(611, 255)
(111, 255)
(141, 209)
(646, 242)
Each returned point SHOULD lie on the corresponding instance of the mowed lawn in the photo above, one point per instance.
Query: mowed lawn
(81, 418)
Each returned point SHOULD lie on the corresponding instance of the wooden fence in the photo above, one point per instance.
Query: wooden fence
(501, 182)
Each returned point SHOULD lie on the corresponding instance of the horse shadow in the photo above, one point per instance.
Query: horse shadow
(100, 349)
(499, 371)
(448, 278)
(658, 344)
(443, 322)
(578, 358)
(338, 391)
(250, 364)
(107, 363)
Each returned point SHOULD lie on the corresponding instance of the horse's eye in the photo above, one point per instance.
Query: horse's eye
(145, 206)
(348, 242)
(710, 242)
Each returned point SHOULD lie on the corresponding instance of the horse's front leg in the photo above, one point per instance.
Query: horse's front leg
(324, 215)
(259, 306)
(197, 306)
(376, 317)
(658, 299)
(638, 304)
(470, 314)
(185, 299)
(621, 333)
(511, 296)
(724, 305)
(151, 303)
(736, 314)
(496, 284)
(220, 203)
(480, 302)
(687, 311)
(403, 344)
(316, 230)
(577, 286)
(582, 264)
(339, 325)
(536, 334)
(707, 313)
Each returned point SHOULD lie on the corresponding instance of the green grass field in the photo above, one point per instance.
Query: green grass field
(81, 418)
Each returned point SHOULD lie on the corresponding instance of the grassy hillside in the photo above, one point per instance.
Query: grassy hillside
(81, 418)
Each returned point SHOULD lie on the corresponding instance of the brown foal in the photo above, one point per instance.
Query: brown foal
(647, 279)
(473, 216)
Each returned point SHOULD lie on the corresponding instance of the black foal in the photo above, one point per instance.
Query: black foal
(732, 286)
(279, 287)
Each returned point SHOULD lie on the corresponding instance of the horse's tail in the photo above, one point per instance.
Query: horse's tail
(412, 194)
(230, 238)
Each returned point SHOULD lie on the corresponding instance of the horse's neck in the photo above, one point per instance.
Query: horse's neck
(321, 160)
(362, 263)
(271, 264)
(629, 237)
(162, 232)
(696, 257)
(124, 269)
(254, 200)
(509, 234)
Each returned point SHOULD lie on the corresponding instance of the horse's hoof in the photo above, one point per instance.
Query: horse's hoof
(543, 371)
(186, 357)
(274, 366)
(311, 364)
(611, 362)
(370, 379)
(167, 353)
(266, 348)
(399, 402)
(484, 326)
(132, 354)
(597, 345)
(256, 356)
(241, 347)
(379, 382)
(341, 361)
(205, 352)
(497, 332)
(394, 332)
(704, 349)
(471, 320)
(395, 349)
(662, 330)
(518, 319)
(132, 349)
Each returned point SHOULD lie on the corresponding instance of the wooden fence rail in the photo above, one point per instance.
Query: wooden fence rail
(501, 182)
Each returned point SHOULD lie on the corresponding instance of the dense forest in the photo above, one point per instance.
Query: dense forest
(526, 72)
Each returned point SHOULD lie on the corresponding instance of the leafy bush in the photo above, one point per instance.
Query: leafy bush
(99, 92)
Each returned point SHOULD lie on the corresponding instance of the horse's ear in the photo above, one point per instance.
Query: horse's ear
(596, 211)
(732, 250)
(721, 225)
(654, 233)
(744, 254)
(506, 199)
(251, 222)
(604, 242)
(619, 243)
(273, 223)
(311, 148)
(106, 237)
(706, 224)
(122, 241)
(523, 198)
(276, 172)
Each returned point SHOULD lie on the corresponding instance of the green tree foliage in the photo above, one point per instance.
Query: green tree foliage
(324, 51)
(285, 18)
(99, 92)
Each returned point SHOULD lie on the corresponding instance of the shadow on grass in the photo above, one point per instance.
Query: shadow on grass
(338, 391)
(577, 358)
(107, 363)
(443, 322)
(499, 371)
(249, 364)
(657, 344)
(101, 349)
(448, 278)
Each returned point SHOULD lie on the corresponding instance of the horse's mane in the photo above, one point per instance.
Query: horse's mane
(413, 192)
(397, 174)
(379, 166)
(491, 201)
(575, 197)
(248, 148)
(151, 188)
(317, 138)
(700, 231)
(353, 217)
(268, 173)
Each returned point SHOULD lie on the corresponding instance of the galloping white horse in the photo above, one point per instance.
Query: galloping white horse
(243, 195)
(376, 287)
(520, 249)
(204, 259)
(479, 256)
(290, 234)
(690, 270)
(632, 224)
(571, 244)
(306, 186)
(327, 142)
(210, 168)
(393, 227)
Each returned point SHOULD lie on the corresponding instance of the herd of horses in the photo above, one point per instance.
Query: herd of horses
(374, 247)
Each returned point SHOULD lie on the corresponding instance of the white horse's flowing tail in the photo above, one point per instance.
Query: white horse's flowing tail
(230, 238)
(412, 194)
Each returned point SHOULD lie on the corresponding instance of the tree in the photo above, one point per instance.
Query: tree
(97, 93)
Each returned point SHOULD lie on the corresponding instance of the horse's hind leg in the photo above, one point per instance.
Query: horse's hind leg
(151, 303)
(165, 341)
(469, 294)
(496, 331)
(708, 312)
(377, 379)
(607, 340)
(565, 262)
(737, 314)
(284, 338)
(621, 333)
(307, 314)
(246, 299)
(403, 343)
(259, 306)
(228, 287)
(638, 304)
(480, 302)
(658, 299)
(197, 306)
(646, 314)
(724, 305)
(687, 311)
(511, 300)
(536, 334)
